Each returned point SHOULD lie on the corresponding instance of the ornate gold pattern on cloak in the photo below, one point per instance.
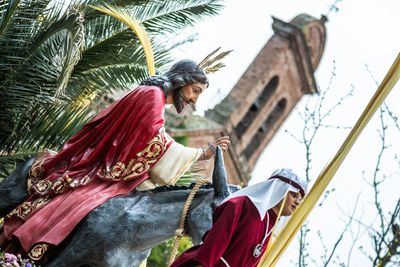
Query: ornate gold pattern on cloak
(58, 186)
(37, 252)
(36, 171)
(144, 160)
(27, 207)
(42, 186)
(120, 171)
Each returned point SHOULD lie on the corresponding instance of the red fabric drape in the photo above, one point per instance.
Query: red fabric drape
(236, 231)
(115, 135)
(109, 156)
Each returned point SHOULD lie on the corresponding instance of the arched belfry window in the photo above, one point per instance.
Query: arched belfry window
(266, 126)
(257, 105)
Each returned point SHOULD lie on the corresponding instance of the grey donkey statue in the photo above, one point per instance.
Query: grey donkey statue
(122, 231)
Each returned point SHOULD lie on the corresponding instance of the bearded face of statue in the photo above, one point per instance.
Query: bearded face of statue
(187, 95)
(179, 100)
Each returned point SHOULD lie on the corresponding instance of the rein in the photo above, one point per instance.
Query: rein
(180, 232)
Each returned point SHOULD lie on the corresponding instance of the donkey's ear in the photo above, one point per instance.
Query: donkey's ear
(219, 176)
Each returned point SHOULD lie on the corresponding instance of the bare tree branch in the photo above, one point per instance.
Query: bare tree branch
(314, 117)
(339, 239)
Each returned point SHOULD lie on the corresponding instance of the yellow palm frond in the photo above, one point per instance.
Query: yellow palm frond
(123, 16)
(274, 252)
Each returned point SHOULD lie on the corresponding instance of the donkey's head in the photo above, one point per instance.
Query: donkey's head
(219, 178)
(13, 189)
(200, 217)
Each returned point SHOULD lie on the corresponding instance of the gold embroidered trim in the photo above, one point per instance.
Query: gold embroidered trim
(142, 163)
(37, 170)
(120, 171)
(24, 209)
(37, 252)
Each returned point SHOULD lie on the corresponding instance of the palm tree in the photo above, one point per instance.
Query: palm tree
(57, 60)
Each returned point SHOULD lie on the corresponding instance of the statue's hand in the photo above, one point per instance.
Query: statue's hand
(223, 142)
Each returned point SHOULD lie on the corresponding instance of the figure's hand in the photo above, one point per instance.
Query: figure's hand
(223, 142)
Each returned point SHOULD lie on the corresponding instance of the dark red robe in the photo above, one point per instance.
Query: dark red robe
(109, 156)
(236, 231)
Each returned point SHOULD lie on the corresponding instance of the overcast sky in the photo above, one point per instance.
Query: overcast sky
(360, 34)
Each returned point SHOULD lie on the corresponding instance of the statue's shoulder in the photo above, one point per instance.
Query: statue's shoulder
(150, 89)
(149, 92)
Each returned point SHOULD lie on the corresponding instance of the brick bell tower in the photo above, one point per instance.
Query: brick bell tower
(256, 107)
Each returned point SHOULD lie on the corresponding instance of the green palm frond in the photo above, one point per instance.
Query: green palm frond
(110, 51)
(158, 17)
(169, 16)
(38, 81)
(195, 172)
(55, 121)
(123, 15)
(191, 176)
(102, 27)
(55, 63)
(7, 9)
(111, 79)
(19, 22)
(43, 71)
(110, 74)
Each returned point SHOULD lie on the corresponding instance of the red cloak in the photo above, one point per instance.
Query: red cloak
(237, 229)
(109, 156)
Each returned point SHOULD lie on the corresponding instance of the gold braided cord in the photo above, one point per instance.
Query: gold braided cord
(123, 16)
(299, 216)
(181, 230)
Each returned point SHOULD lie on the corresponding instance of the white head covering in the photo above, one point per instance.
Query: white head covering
(267, 194)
